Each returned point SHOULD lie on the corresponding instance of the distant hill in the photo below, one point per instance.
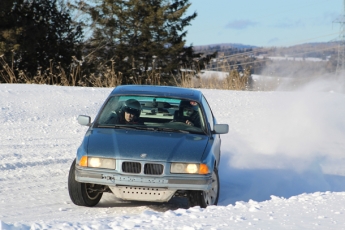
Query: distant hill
(323, 50)
(298, 60)
(223, 46)
(315, 49)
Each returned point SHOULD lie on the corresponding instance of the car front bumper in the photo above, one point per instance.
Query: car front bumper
(158, 188)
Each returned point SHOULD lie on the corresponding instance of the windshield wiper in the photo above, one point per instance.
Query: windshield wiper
(154, 129)
(172, 130)
(133, 127)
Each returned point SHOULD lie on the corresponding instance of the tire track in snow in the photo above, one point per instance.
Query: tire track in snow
(17, 165)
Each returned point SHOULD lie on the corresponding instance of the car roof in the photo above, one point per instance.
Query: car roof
(160, 91)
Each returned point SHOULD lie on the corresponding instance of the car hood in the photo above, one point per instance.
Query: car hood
(158, 146)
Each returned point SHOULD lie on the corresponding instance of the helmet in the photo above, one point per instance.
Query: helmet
(188, 107)
(132, 106)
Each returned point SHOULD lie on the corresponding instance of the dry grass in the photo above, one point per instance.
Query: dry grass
(7, 73)
(186, 80)
(56, 75)
(108, 79)
(151, 77)
(234, 81)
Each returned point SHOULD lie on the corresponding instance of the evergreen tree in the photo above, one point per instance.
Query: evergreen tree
(40, 33)
(141, 37)
(9, 29)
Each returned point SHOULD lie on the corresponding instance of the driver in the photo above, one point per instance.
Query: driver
(129, 114)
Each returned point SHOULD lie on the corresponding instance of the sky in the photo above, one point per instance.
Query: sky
(282, 162)
(264, 23)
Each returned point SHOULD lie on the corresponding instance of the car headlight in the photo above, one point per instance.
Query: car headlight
(191, 168)
(97, 162)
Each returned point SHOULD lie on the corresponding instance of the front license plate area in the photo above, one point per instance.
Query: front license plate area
(115, 179)
(141, 179)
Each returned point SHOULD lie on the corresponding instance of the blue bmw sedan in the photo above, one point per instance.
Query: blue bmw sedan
(149, 143)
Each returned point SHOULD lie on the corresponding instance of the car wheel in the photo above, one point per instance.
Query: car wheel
(83, 194)
(209, 197)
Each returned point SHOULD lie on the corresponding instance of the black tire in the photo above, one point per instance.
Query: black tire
(80, 193)
(206, 198)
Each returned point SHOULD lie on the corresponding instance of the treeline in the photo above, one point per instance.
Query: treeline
(325, 50)
(299, 61)
(310, 59)
(96, 43)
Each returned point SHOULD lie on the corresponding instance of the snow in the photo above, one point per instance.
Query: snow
(213, 74)
(282, 163)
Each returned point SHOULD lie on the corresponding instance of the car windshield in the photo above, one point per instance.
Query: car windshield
(152, 113)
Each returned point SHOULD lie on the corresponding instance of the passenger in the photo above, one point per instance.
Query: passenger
(188, 113)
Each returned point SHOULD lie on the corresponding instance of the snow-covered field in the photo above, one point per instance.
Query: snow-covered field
(283, 163)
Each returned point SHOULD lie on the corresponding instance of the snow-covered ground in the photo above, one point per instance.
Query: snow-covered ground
(283, 163)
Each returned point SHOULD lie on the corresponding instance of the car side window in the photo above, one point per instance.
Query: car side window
(109, 112)
(209, 115)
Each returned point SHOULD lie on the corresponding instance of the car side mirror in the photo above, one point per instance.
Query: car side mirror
(221, 128)
(84, 120)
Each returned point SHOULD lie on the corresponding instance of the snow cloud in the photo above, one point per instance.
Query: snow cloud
(281, 143)
(298, 130)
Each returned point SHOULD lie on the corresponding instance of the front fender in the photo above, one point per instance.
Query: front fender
(82, 150)
(211, 155)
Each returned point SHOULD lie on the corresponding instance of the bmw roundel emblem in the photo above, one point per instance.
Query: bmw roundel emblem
(143, 155)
